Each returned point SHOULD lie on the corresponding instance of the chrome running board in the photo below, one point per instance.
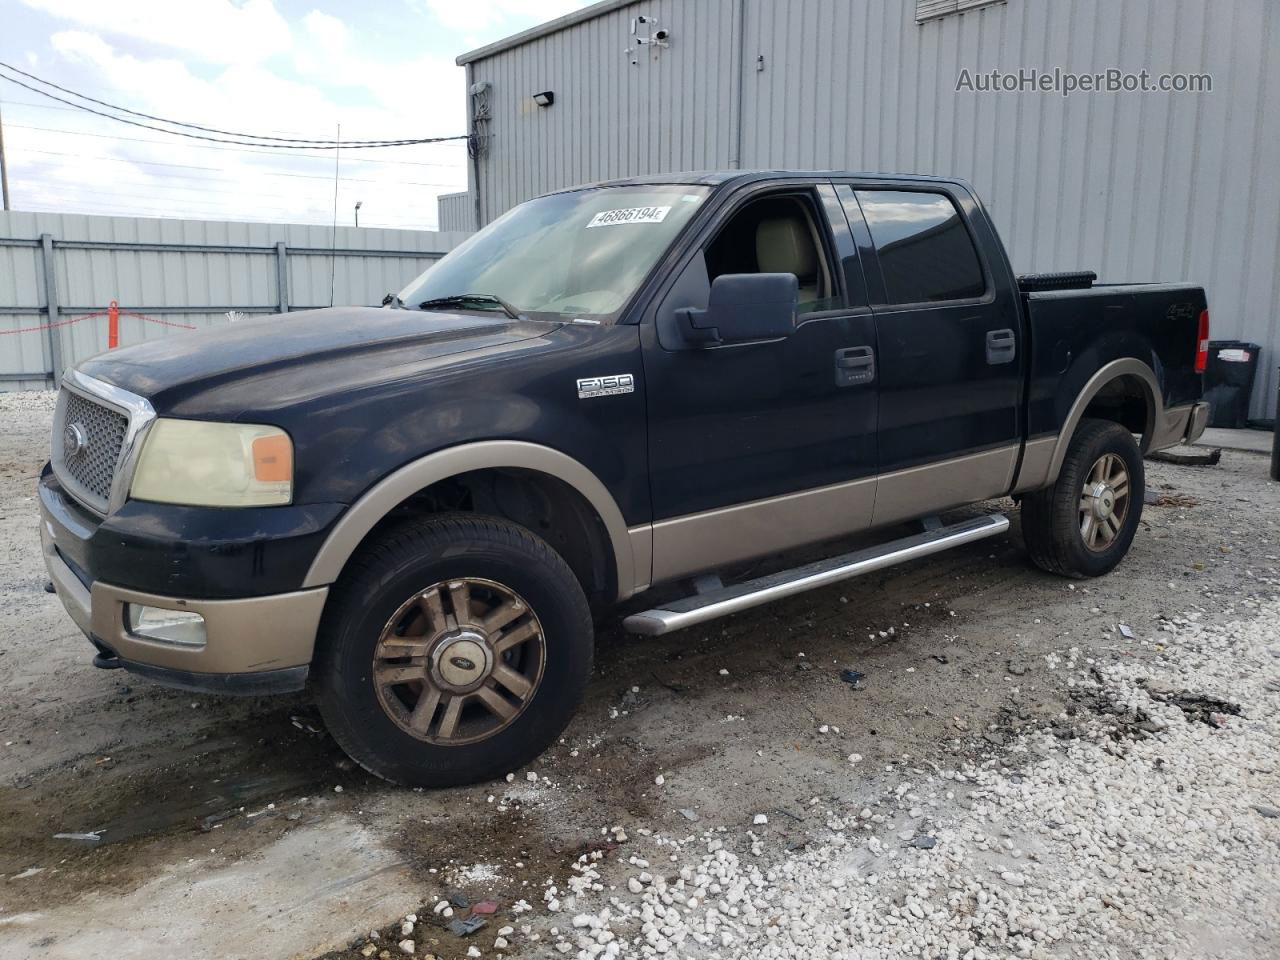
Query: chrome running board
(687, 611)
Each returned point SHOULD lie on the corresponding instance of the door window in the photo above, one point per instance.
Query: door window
(776, 235)
(925, 251)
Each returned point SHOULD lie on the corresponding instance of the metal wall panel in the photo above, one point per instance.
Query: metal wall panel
(611, 116)
(1139, 187)
(456, 211)
(215, 275)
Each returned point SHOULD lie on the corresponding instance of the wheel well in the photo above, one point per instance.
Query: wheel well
(544, 504)
(1124, 400)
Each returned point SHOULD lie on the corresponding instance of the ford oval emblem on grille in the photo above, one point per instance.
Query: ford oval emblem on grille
(75, 441)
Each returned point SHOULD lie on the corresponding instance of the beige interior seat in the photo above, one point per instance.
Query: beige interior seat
(785, 245)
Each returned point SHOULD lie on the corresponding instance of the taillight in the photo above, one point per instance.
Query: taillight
(1202, 342)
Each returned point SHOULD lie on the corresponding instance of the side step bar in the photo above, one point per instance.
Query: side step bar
(700, 608)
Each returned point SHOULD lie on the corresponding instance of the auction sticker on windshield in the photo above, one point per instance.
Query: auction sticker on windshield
(609, 218)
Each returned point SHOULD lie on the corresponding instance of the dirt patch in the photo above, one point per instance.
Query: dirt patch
(1197, 707)
(229, 788)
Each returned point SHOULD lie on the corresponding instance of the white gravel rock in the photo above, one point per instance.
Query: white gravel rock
(1135, 837)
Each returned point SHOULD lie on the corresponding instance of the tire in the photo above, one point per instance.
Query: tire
(1055, 521)
(418, 598)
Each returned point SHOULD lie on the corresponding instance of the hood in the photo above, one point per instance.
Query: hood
(283, 359)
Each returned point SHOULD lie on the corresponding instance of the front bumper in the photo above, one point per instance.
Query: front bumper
(254, 644)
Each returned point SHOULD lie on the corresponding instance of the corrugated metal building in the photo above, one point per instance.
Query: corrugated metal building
(457, 211)
(178, 273)
(1137, 186)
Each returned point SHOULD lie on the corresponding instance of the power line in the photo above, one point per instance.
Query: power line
(245, 139)
(205, 146)
(174, 123)
(54, 106)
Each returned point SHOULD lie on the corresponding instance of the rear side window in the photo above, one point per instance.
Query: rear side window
(925, 251)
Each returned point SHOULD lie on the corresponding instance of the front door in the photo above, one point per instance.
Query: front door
(757, 447)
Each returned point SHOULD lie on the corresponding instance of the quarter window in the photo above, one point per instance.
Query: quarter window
(925, 251)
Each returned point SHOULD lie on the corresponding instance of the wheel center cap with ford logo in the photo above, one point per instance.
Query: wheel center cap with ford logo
(462, 661)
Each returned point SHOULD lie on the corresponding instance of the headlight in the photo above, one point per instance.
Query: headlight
(204, 464)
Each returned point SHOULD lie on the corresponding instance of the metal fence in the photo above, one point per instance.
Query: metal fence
(60, 272)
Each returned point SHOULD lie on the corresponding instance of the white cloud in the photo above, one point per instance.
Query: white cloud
(216, 31)
(238, 65)
(119, 169)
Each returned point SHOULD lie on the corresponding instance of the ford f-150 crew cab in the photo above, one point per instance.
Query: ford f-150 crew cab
(418, 509)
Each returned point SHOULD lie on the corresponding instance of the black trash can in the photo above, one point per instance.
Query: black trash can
(1228, 381)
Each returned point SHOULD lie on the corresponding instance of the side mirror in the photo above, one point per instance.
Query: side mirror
(743, 307)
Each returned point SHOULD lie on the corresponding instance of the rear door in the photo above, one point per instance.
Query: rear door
(762, 446)
(950, 350)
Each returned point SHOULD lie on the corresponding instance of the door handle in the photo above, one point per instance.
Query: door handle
(1002, 346)
(855, 365)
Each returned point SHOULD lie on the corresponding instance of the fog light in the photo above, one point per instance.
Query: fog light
(179, 627)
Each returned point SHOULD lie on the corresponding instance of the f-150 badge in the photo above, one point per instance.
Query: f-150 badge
(610, 386)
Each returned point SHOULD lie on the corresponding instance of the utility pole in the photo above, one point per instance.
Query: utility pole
(4, 171)
(358, 203)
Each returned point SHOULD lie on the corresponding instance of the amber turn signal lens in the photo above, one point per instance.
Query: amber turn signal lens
(273, 459)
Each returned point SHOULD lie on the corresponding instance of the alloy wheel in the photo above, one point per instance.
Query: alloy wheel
(459, 661)
(1104, 502)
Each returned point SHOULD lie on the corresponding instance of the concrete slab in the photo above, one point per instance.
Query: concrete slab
(1251, 441)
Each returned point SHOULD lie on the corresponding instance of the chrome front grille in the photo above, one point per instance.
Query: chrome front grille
(96, 434)
(92, 437)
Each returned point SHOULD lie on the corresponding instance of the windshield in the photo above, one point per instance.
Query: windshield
(580, 254)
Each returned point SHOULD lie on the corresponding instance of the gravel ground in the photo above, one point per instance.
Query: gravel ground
(1030, 767)
(1142, 824)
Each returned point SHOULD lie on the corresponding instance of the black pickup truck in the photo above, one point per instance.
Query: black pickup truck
(418, 509)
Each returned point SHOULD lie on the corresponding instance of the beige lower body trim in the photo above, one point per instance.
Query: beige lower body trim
(907, 494)
(704, 541)
(1037, 459)
(244, 636)
(642, 551)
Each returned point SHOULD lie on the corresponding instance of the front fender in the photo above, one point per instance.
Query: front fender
(631, 549)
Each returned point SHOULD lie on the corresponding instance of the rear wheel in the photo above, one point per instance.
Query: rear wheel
(454, 650)
(1082, 526)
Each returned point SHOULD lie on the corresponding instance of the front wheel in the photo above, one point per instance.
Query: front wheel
(1082, 526)
(453, 650)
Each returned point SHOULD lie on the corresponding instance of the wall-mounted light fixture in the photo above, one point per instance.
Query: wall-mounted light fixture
(545, 99)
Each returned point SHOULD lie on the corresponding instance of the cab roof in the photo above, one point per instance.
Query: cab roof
(718, 178)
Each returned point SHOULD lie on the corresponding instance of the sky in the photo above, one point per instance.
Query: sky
(382, 69)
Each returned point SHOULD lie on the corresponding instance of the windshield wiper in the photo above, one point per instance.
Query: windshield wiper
(462, 299)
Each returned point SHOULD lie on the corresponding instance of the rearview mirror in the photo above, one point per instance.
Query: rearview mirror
(743, 307)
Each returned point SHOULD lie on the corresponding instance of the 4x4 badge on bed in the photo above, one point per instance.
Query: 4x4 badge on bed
(606, 386)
